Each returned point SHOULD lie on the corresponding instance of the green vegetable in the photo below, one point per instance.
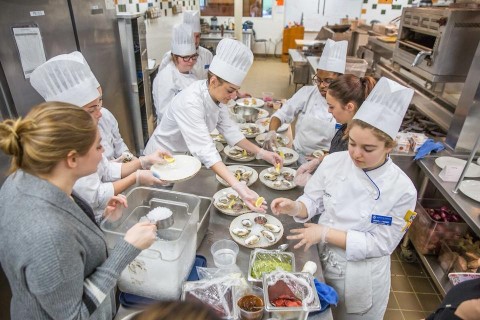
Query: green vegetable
(268, 262)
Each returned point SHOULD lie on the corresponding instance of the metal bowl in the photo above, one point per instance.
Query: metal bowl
(248, 114)
(165, 223)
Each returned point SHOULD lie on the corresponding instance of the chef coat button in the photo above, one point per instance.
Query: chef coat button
(330, 220)
(363, 215)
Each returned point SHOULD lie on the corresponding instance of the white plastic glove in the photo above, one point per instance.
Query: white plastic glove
(248, 196)
(147, 178)
(270, 157)
(270, 142)
(286, 206)
(141, 235)
(309, 167)
(126, 156)
(313, 233)
(156, 157)
(114, 208)
(302, 179)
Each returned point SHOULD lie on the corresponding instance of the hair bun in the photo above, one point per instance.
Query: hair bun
(9, 138)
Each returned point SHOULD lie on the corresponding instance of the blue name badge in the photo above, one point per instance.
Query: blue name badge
(206, 66)
(384, 220)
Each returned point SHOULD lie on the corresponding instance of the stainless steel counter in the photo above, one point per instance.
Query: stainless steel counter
(205, 184)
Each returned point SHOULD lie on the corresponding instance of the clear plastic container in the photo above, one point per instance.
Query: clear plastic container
(447, 257)
(427, 234)
(158, 272)
(274, 259)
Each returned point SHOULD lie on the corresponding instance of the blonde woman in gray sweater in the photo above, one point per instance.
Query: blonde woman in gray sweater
(54, 255)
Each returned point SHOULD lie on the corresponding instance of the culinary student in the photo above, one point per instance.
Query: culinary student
(53, 253)
(365, 203)
(315, 127)
(66, 78)
(204, 59)
(344, 96)
(199, 109)
(177, 74)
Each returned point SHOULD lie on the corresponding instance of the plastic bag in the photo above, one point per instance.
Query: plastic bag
(298, 285)
(266, 261)
(211, 273)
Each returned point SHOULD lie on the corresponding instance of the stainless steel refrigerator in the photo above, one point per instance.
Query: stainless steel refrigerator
(65, 26)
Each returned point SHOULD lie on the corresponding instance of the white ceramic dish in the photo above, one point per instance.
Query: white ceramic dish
(262, 114)
(286, 150)
(266, 123)
(224, 193)
(280, 178)
(472, 172)
(245, 126)
(217, 137)
(457, 277)
(471, 188)
(250, 102)
(284, 139)
(228, 150)
(255, 229)
(318, 153)
(234, 168)
(183, 168)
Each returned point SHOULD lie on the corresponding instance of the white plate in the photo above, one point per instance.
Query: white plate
(318, 153)
(219, 146)
(262, 114)
(233, 168)
(250, 102)
(472, 172)
(270, 184)
(223, 193)
(285, 150)
(227, 152)
(260, 130)
(261, 138)
(231, 103)
(217, 137)
(471, 188)
(266, 123)
(457, 277)
(183, 168)
(255, 230)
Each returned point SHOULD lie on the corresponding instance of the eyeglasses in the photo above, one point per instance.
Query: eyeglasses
(317, 80)
(193, 57)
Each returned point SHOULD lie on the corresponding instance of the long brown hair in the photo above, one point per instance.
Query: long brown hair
(349, 88)
(46, 135)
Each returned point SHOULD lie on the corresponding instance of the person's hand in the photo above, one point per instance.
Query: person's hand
(126, 156)
(156, 157)
(270, 143)
(141, 235)
(469, 310)
(313, 233)
(270, 157)
(286, 206)
(248, 196)
(114, 208)
(309, 167)
(302, 179)
(147, 178)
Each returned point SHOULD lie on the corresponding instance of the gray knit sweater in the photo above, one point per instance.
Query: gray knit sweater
(54, 256)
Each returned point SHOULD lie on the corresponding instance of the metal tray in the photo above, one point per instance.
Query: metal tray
(206, 205)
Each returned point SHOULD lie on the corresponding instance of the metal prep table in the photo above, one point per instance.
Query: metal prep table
(298, 64)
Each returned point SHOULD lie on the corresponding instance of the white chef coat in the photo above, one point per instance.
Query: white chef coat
(112, 142)
(188, 121)
(200, 69)
(315, 126)
(168, 82)
(96, 189)
(346, 199)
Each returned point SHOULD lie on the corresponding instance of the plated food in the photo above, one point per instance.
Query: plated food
(289, 155)
(250, 102)
(217, 136)
(266, 123)
(238, 154)
(318, 153)
(256, 230)
(282, 140)
(182, 168)
(278, 180)
(251, 130)
(242, 173)
(228, 202)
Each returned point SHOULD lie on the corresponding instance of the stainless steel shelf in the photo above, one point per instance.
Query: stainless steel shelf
(467, 208)
(439, 277)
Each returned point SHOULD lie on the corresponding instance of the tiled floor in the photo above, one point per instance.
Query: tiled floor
(413, 294)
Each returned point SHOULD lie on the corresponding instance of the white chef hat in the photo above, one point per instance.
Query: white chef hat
(232, 61)
(66, 78)
(386, 106)
(334, 56)
(183, 43)
(192, 18)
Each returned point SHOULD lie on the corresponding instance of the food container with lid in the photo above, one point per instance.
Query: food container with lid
(265, 261)
(157, 272)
